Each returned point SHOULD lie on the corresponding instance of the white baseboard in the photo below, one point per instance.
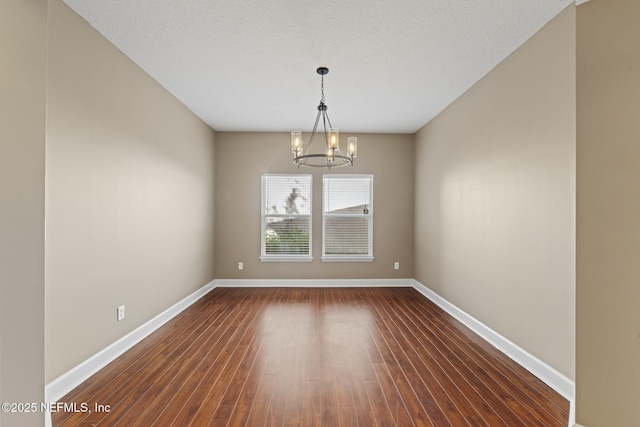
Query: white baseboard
(554, 379)
(62, 385)
(66, 382)
(313, 283)
(75, 376)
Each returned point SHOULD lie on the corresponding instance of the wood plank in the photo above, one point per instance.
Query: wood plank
(284, 357)
(520, 384)
(99, 387)
(484, 371)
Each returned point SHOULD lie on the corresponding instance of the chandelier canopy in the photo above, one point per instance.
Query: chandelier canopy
(331, 156)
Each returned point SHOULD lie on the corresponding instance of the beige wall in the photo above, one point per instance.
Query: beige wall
(495, 197)
(608, 233)
(130, 203)
(22, 149)
(242, 158)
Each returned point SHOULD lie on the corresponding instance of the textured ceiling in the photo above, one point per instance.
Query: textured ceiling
(249, 65)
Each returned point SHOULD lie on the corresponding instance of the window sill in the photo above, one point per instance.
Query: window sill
(347, 258)
(286, 258)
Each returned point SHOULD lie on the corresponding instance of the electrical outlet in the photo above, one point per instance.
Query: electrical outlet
(396, 265)
(241, 266)
(120, 313)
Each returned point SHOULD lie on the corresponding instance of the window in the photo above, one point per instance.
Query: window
(347, 221)
(286, 218)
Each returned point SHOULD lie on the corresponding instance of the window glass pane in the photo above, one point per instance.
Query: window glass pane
(346, 195)
(287, 194)
(288, 235)
(346, 236)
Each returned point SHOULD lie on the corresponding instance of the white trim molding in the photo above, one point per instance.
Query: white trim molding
(66, 382)
(347, 258)
(550, 376)
(62, 385)
(75, 376)
(286, 258)
(314, 283)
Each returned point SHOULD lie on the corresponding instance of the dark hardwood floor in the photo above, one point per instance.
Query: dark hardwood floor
(314, 357)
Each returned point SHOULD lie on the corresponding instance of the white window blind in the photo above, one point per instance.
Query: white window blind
(347, 218)
(286, 218)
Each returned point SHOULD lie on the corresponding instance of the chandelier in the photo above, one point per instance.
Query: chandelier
(331, 156)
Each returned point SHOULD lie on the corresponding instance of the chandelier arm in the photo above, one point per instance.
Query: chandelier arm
(324, 125)
(328, 120)
(313, 132)
(339, 160)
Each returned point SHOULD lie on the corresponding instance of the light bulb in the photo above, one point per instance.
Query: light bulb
(353, 146)
(295, 141)
(333, 138)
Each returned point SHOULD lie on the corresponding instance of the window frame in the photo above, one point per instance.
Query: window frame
(348, 257)
(264, 257)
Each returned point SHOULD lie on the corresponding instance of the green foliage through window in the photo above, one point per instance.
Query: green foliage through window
(293, 241)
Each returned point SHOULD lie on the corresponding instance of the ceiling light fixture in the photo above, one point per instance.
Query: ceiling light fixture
(331, 156)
